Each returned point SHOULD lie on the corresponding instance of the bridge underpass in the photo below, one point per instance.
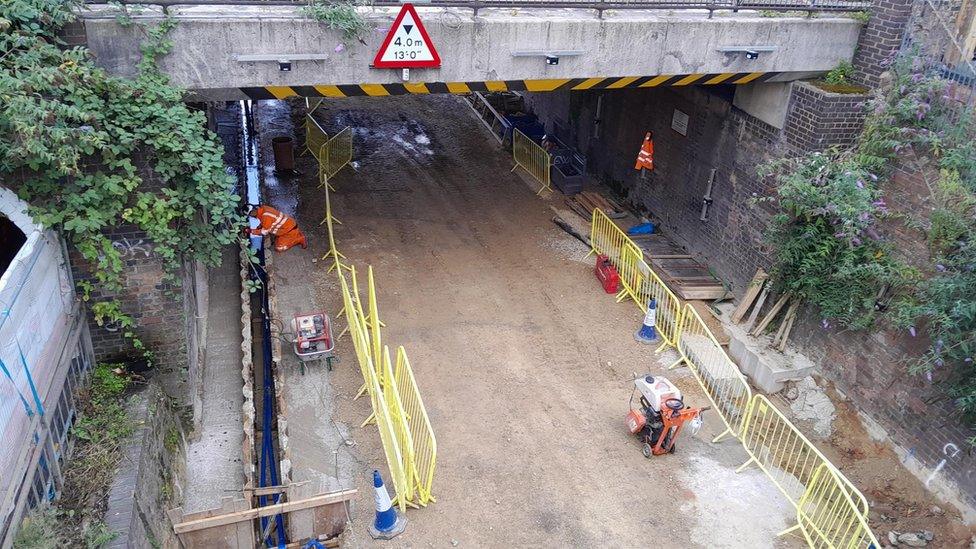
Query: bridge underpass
(525, 365)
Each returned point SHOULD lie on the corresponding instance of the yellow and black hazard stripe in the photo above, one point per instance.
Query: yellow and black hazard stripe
(548, 85)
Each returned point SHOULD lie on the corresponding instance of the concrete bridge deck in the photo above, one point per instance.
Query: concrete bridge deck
(631, 47)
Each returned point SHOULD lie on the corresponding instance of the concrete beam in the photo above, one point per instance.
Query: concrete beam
(767, 101)
(473, 48)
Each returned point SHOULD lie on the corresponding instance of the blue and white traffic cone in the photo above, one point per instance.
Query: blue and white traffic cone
(388, 524)
(647, 334)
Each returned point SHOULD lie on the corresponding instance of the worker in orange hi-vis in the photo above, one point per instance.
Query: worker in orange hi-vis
(281, 225)
(645, 158)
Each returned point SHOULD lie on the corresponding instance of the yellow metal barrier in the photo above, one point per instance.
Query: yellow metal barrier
(529, 155)
(315, 137)
(719, 377)
(650, 286)
(827, 515)
(334, 154)
(391, 393)
(397, 407)
(422, 434)
(638, 280)
(381, 412)
(787, 457)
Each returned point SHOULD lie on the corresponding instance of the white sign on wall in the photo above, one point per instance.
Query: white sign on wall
(679, 122)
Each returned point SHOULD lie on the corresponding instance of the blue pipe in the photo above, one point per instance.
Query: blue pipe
(267, 462)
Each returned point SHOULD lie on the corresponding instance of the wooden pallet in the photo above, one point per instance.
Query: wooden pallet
(589, 201)
(685, 275)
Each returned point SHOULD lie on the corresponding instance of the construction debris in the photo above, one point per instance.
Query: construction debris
(911, 539)
(810, 403)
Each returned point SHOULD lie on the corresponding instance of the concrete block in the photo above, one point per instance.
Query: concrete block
(767, 368)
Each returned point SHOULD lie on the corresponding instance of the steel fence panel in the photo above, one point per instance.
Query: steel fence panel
(668, 305)
(719, 377)
(533, 158)
(787, 457)
(315, 137)
(422, 434)
(401, 427)
(827, 515)
(381, 413)
(335, 153)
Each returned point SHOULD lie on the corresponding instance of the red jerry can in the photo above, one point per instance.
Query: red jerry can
(607, 274)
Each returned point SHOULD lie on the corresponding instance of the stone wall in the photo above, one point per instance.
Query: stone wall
(148, 482)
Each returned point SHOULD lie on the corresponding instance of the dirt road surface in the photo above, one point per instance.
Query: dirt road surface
(524, 364)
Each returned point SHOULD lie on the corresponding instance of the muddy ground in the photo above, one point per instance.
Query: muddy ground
(523, 362)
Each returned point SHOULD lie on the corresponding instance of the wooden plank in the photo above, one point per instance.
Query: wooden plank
(758, 307)
(772, 314)
(705, 293)
(791, 317)
(755, 286)
(670, 257)
(266, 511)
(330, 543)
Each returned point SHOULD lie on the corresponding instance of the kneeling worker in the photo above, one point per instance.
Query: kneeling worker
(282, 226)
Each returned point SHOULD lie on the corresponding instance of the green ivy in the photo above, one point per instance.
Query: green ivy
(92, 151)
(341, 16)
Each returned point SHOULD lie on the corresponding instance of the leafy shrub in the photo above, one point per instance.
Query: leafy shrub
(843, 73)
(828, 251)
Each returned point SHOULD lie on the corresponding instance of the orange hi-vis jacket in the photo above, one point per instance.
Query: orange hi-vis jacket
(645, 158)
(273, 222)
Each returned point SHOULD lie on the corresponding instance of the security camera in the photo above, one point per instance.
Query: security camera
(552, 60)
(752, 54)
(284, 65)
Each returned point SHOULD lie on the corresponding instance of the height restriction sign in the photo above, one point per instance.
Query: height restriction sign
(407, 45)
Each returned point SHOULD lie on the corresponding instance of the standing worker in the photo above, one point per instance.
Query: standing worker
(281, 225)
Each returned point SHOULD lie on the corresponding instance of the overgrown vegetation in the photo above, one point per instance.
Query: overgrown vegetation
(99, 432)
(93, 152)
(840, 79)
(831, 251)
(341, 16)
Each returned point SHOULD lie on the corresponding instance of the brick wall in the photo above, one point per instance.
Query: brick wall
(74, 33)
(880, 39)
(817, 119)
(158, 308)
(719, 136)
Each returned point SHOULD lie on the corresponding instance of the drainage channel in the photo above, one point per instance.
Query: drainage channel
(271, 530)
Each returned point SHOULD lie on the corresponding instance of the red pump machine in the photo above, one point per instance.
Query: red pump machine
(313, 338)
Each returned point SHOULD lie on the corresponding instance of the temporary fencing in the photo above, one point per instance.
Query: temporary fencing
(397, 408)
(334, 154)
(315, 137)
(718, 376)
(787, 457)
(831, 511)
(639, 282)
(533, 158)
(829, 517)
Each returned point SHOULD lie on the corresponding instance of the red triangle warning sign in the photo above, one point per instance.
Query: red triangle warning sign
(407, 45)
